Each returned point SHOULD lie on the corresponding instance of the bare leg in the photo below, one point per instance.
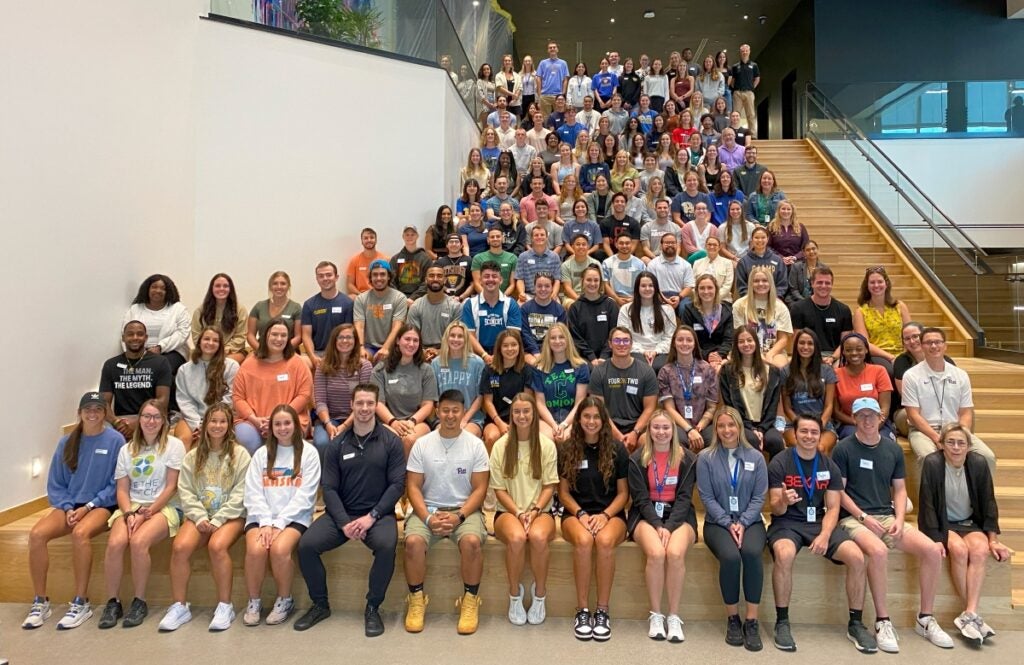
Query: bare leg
(185, 544)
(958, 553)
(282, 567)
(221, 565)
(53, 525)
(542, 532)
(782, 571)
(876, 555)
(929, 558)
(90, 526)
(472, 555)
(510, 531)
(654, 568)
(856, 568)
(607, 540)
(151, 532)
(582, 554)
(415, 560)
(675, 568)
(255, 563)
(978, 544)
(113, 559)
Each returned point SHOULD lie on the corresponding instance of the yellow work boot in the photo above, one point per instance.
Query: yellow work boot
(469, 614)
(417, 608)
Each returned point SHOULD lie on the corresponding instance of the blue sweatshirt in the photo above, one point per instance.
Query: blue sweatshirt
(537, 319)
(93, 480)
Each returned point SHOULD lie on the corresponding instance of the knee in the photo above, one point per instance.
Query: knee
(784, 555)
(81, 536)
(280, 552)
(415, 547)
(470, 545)
(516, 541)
(978, 553)
(139, 547)
(656, 556)
(957, 551)
(877, 554)
(585, 546)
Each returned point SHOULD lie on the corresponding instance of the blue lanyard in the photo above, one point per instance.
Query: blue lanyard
(734, 481)
(687, 389)
(658, 487)
(811, 486)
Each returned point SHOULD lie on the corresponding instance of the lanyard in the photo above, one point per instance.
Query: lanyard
(811, 486)
(658, 487)
(941, 398)
(734, 480)
(687, 388)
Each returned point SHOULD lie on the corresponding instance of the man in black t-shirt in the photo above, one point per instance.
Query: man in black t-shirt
(627, 386)
(804, 493)
(129, 379)
(828, 318)
(619, 223)
(874, 509)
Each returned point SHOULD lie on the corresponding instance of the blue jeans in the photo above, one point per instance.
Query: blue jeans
(320, 438)
(248, 436)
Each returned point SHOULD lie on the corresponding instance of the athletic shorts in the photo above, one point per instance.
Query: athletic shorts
(802, 534)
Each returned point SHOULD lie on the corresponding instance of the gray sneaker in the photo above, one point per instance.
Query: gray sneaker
(784, 636)
(861, 637)
(283, 608)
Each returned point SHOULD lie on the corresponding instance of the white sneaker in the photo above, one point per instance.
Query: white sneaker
(656, 626)
(885, 635)
(223, 616)
(177, 615)
(675, 628)
(37, 614)
(283, 608)
(79, 611)
(538, 612)
(931, 631)
(252, 612)
(516, 611)
(967, 624)
(983, 628)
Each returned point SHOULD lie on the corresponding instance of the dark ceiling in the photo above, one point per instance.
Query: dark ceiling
(583, 28)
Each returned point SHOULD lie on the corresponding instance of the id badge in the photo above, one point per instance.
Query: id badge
(734, 504)
(688, 412)
(812, 514)
(659, 509)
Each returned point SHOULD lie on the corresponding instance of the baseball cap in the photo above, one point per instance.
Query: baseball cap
(90, 398)
(456, 236)
(411, 228)
(862, 403)
(380, 263)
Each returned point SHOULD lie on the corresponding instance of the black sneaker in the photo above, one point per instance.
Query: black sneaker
(312, 617)
(734, 632)
(861, 637)
(582, 626)
(372, 623)
(752, 635)
(602, 626)
(784, 636)
(112, 612)
(136, 613)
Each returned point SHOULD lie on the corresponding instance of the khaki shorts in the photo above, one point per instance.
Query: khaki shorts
(853, 526)
(473, 526)
(171, 514)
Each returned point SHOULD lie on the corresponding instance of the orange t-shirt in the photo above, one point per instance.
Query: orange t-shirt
(869, 383)
(358, 273)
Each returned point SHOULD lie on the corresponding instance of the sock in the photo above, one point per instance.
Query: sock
(472, 588)
(877, 619)
(922, 615)
(781, 613)
(413, 588)
(857, 615)
(734, 617)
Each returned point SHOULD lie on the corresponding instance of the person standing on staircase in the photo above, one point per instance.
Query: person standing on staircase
(744, 78)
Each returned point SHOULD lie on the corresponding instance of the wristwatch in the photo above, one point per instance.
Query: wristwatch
(862, 517)
(90, 505)
(462, 518)
(375, 514)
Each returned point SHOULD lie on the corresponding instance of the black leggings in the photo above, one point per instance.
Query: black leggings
(731, 558)
(324, 535)
(773, 441)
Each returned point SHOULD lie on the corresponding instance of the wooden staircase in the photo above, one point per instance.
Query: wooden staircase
(851, 240)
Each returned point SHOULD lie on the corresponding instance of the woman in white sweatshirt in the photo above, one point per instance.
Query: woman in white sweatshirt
(158, 306)
(280, 491)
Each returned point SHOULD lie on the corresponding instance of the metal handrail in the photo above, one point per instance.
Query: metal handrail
(814, 93)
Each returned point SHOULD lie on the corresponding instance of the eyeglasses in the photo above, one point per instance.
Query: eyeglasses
(911, 338)
(954, 443)
(934, 342)
(346, 338)
(151, 416)
(622, 341)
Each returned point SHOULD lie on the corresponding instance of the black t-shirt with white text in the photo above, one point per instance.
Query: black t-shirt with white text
(134, 381)
(783, 471)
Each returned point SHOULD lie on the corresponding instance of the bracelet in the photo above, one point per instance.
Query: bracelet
(580, 513)
(392, 421)
(534, 509)
(606, 516)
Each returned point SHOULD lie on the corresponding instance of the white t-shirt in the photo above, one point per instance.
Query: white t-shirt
(147, 470)
(939, 395)
(447, 466)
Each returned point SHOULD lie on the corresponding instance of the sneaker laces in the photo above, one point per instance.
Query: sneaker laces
(888, 630)
(37, 608)
(254, 606)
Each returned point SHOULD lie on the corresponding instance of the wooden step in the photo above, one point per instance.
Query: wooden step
(999, 420)
(1010, 499)
(1006, 445)
(1010, 472)
(818, 584)
(998, 398)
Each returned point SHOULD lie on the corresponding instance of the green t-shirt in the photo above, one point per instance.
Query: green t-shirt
(506, 262)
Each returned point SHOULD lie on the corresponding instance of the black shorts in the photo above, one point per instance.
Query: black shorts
(802, 534)
(961, 529)
(301, 528)
(109, 509)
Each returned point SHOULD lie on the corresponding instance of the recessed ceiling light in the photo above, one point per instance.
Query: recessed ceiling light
(649, 13)
(476, 3)
(745, 17)
(612, 20)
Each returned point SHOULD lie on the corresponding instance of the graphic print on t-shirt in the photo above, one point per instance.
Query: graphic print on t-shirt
(281, 476)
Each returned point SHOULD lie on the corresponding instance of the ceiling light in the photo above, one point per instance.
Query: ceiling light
(935, 92)
(612, 20)
(476, 3)
(745, 17)
(649, 13)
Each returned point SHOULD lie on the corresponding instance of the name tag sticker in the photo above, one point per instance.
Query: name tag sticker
(600, 317)
(335, 310)
(570, 370)
(748, 466)
(585, 464)
(507, 400)
(282, 377)
(632, 390)
(122, 366)
(867, 464)
(697, 380)
(867, 387)
(101, 451)
(824, 475)
(400, 261)
(392, 381)
(672, 480)
(698, 326)
(830, 320)
(286, 316)
(445, 315)
(348, 456)
(387, 305)
(531, 261)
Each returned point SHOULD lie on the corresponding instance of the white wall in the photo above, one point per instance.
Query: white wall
(136, 138)
(971, 180)
(96, 192)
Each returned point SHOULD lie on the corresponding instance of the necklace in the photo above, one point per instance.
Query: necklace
(131, 365)
(361, 443)
(448, 446)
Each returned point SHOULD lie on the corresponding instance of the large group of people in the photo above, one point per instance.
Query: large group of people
(571, 349)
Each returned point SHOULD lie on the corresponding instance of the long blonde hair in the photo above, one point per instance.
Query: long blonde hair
(511, 465)
(138, 441)
(749, 310)
(736, 418)
(775, 226)
(444, 356)
(547, 356)
(675, 450)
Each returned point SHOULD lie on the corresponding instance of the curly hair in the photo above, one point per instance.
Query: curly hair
(572, 451)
